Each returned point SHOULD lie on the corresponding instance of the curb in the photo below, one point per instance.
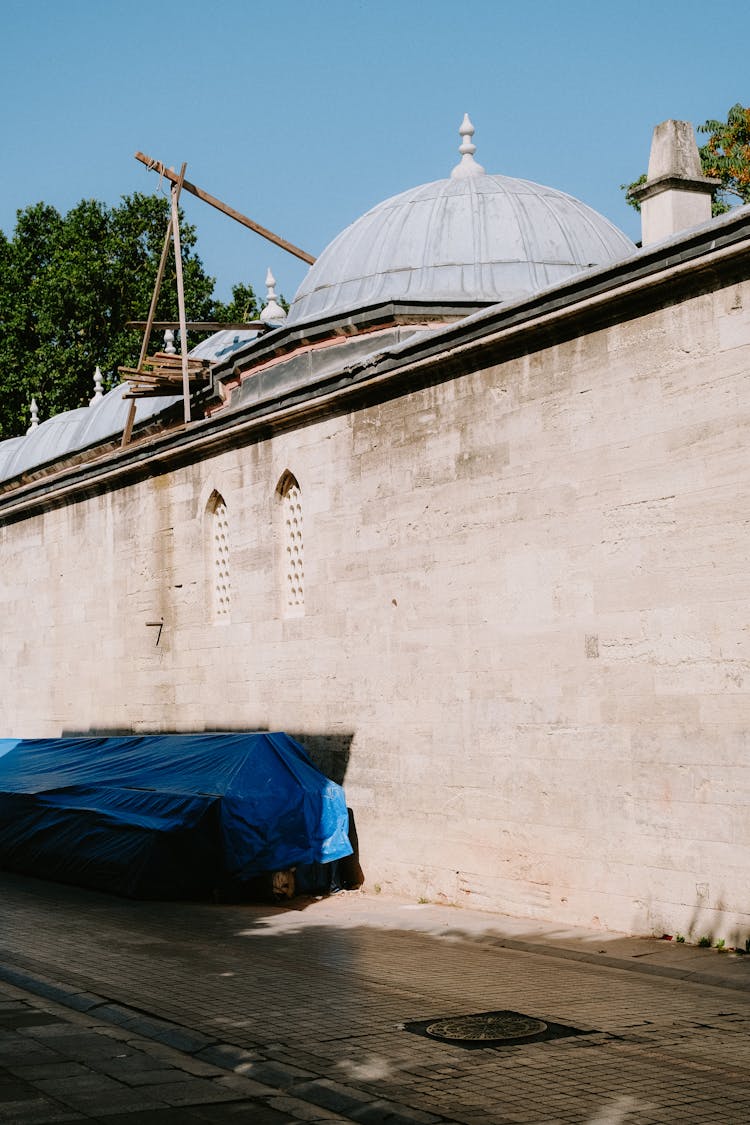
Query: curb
(690, 976)
(272, 1078)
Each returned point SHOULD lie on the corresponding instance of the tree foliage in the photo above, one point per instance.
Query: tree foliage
(726, 153)
(243, 306)
(68, 285)
(725, 156)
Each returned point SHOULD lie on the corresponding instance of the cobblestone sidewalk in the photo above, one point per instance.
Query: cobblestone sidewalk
(58, 1065)
(310, 1015)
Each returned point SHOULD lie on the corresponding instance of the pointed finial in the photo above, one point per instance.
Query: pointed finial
(468, 165)
(34, 416)
(272, 312)
(169, 347)
(98, 387)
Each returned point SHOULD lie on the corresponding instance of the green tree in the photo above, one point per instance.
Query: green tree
(242, 306)
(725, 156)
(68, 285)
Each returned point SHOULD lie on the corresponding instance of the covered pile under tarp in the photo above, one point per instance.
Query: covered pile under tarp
(165, 816)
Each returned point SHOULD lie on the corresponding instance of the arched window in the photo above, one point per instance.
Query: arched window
(292, 546)
(218, 535)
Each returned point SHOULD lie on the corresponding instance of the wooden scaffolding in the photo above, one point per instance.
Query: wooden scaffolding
(165, 373)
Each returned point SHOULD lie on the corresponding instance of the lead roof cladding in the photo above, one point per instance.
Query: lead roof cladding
(471, 237)
(102, 420)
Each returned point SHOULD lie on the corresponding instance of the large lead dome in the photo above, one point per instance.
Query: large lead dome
(473, 237)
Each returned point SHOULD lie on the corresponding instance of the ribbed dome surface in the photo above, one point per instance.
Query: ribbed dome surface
(74, 429)
(481, 238)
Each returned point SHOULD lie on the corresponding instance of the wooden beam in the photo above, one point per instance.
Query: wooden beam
(199, 325)
(168, 174)
(152, 392)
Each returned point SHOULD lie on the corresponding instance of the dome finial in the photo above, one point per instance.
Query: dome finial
(272, 312)
(468, 165)
(34, 416)
(98, 386)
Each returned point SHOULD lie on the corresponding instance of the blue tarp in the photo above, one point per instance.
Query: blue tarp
(165, 816)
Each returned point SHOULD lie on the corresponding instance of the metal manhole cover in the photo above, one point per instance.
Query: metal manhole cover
(486, 1027)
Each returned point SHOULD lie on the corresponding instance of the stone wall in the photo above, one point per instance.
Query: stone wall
(525, 644)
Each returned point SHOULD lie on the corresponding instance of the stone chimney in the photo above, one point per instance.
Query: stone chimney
(676, 195)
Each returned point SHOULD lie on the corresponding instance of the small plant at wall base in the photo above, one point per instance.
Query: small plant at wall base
(720, 945)
(680, 939)
(705, 943)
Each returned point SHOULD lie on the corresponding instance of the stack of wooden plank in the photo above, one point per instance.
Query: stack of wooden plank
(161, 374)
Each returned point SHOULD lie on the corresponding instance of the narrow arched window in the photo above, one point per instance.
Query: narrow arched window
(292, 545)
(218, 533)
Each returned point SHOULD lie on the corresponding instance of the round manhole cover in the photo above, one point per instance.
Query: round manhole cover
(488, 1028)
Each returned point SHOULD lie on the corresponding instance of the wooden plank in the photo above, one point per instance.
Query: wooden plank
(152, 377)
(173, 357)
(165, 373)
(201, 325)
(157, 166)
(170, 376)
(173, 368)
(151, 393)
(168, 390)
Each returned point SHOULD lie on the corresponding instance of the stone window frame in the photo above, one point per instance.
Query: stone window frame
(218, 569)
(291, 545)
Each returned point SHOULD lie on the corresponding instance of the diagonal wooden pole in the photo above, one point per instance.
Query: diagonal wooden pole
(127, 432)
(148, 327)
(169, 174)
(175, 192)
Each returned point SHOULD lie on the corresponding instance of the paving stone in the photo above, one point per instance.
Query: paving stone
(331, 1095)
(12, 1091)
(127, 1063)
(193, 1091)
(84, 1090)
(26, 1018)
(299, 1110)
(279, 1075)
(145, 1078)
(248, 1087)
(247, 1113)
(227, 1055)
(25, 1052)
(382, 1112)
(166, 1116)
(37, 1111)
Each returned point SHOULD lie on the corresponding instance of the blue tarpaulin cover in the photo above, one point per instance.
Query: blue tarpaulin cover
(165, 816)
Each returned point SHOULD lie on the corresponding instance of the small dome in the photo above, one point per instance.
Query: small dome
(75, 429)
(472, 237)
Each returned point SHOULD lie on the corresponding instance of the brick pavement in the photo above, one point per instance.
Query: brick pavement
(312, 1004)
(61, 1065)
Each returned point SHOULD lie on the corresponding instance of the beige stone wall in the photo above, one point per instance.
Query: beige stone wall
(526, 618)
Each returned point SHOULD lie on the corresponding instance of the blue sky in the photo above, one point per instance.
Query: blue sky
(305, 114)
